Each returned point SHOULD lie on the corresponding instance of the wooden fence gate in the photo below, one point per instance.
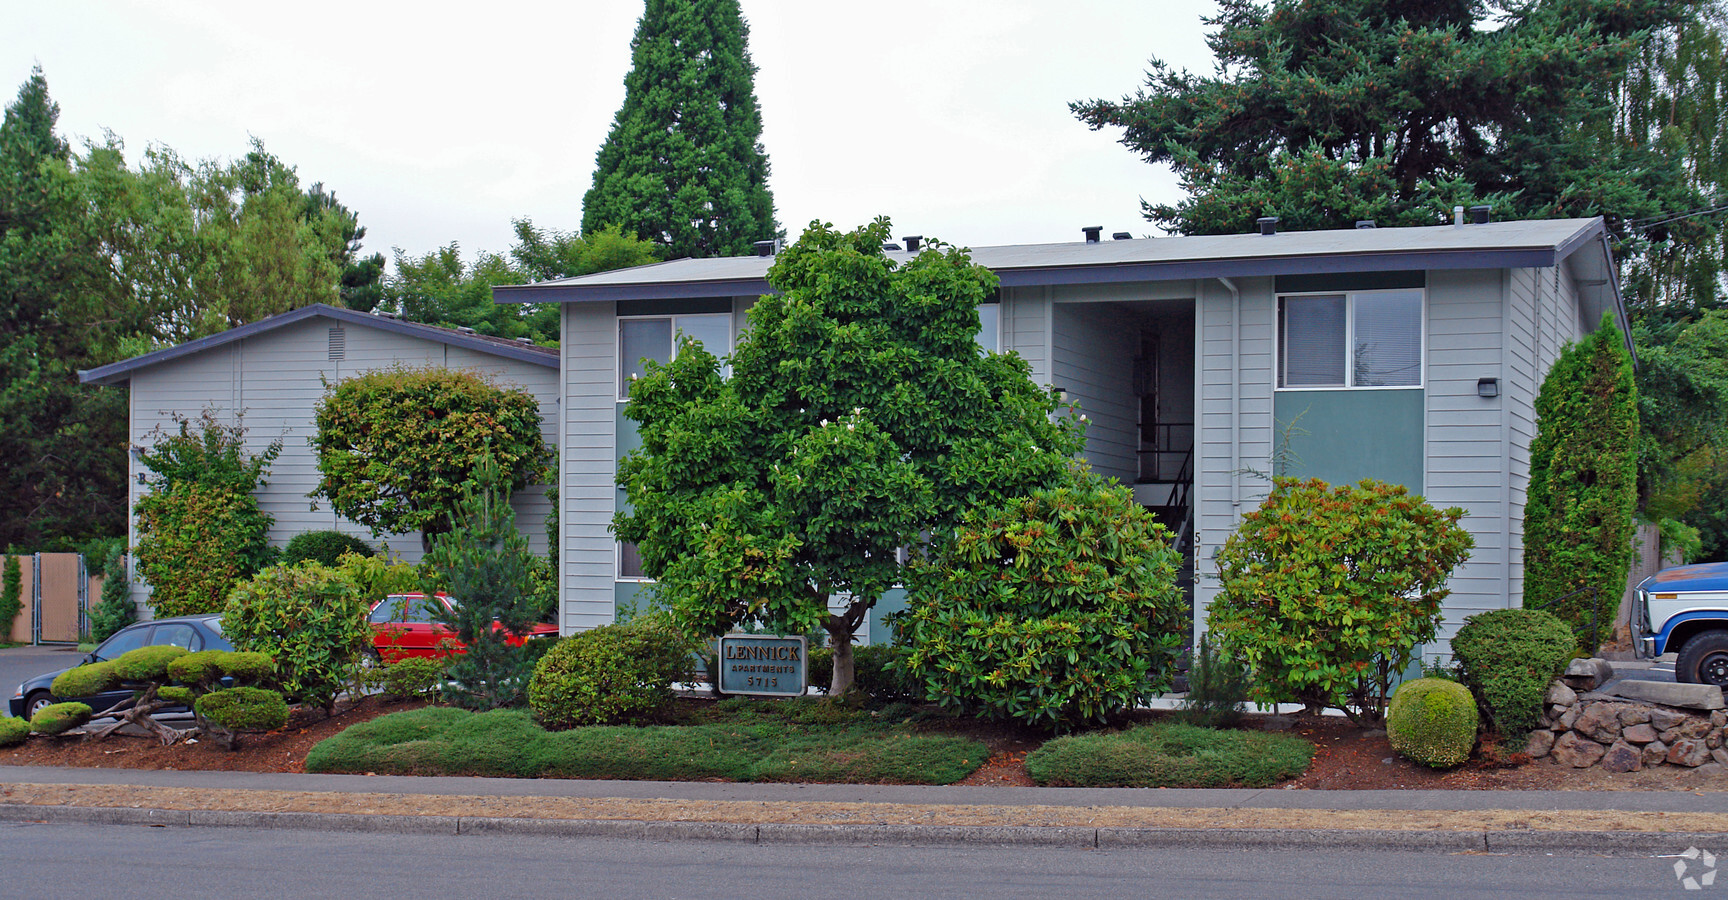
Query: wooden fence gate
(55, 599)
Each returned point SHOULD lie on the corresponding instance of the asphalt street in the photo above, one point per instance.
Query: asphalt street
(20, 663)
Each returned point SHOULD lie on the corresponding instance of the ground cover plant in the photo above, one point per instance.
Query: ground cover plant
(733, 740)
(1169, 754)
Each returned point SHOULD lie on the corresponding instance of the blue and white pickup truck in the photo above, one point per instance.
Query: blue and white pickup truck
(1684, 610)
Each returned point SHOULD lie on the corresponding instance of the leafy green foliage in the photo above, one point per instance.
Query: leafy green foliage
(1169, 755)
(1508, 657)
(782, 741)
(878, 672)
(146, 663)
(116, 609)
(484, 564)
(11, 593)
(13, 731)
(1583, 485)
(394, 447)
(85, 681)
(1327, 591)
(1682, 382)
(1432, 721)
(59, 718)
(1326, 112)
(859, 416)
(306, 617)
(1054, 609)
(244, 709)
(200, 530)
(685, 167)
(377, 577)
(205, 669)
(1218, 687)
(410, 676)
(609, 674)
(324, 547)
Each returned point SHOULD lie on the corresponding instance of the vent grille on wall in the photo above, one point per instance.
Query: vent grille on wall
(338, 344)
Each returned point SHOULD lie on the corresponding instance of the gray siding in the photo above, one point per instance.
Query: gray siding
(1094, 348)
(1026, 314)
(274, 381)
(588, 490)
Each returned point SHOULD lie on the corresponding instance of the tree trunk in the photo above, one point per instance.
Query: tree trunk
(840, 639)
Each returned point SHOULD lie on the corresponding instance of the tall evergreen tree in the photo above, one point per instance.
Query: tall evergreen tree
(683, 165)
(1323, 112)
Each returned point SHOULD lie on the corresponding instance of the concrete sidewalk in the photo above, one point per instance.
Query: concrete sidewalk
(1635, 823)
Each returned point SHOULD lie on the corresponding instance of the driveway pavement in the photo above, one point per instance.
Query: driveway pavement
(20, 663)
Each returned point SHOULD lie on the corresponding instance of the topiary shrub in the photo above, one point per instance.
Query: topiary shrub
(309, 619)
(1508, 657)
(1326, 591)
(610, 674)
(147, 663)
(1217, 688)
(323, 547)
(1432, 721)
(412, 676)
(1053, 609)
(177, 694)
(13, 731)
(59, 718)
(244, 709)
(84, 681)
(879, 671)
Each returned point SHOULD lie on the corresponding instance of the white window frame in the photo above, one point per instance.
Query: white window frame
(1349, 342)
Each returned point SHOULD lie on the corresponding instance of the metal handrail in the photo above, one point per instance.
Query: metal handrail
(1595, 611)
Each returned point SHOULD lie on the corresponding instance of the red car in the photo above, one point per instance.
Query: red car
(402, 626)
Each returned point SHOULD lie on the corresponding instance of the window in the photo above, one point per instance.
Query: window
(175, 634)
(990, 327)
(641, 339)
(1371, 339)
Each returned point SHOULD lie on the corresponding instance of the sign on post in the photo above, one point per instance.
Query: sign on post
(769, 665)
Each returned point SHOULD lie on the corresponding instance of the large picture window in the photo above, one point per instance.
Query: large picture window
(1369, 339)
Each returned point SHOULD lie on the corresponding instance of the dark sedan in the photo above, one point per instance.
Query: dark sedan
(192, 632)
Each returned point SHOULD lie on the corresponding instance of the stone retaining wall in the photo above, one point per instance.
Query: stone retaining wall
(1620, 735)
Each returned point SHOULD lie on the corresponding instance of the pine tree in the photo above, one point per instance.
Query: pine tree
(1324, 112)
(1583, 485)
(683, 165)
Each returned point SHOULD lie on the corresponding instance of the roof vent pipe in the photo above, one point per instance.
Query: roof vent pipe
(1121, 236)
(1364, 224)
(1268, 225)
(1458, 217)
(912, 242)
(764, 248)
(1481, 215)
(1092, 233)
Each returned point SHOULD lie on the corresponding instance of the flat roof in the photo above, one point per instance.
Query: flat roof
(118, 372)
(1520, 244)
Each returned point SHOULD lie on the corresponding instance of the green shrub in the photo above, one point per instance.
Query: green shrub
(177, 694)
(244, 709)
(377, 577)
(1583, 485)
(610, 674)
(248, 668)
(203, 667)
(413, 676)
(147, 663)
(59, 718)
(84, 681)
(195, 542)
(1217, 688)
(1432, 721)
(1508, 657)
(1052, 609)
(878, 670)
(116, 609)
(11, 594)
(323, 547)
(13, 731)
(309, 619)
(1327, 591)
(1169, 755)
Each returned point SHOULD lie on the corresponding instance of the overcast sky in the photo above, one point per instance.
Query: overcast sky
(441, 122)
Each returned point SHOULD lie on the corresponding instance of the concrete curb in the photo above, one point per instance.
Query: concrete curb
(1621, 843)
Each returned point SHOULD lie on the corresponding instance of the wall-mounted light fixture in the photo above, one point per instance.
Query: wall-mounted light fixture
(1487, 388)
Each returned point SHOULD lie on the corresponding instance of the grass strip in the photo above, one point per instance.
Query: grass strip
(1170, 755)
(746, 746)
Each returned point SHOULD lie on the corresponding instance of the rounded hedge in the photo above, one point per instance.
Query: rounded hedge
(13, 731)
(323, 547)
(147, 663)
(609, 674)
(1432, 721)
(244, 709)
(60, 718)
(84, 681)
(1508, 658)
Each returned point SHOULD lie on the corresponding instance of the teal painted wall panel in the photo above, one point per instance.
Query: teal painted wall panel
(1346, 436)
(889, 603)
(629, 597)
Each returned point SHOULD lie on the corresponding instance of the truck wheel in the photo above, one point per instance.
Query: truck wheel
(1704, 659)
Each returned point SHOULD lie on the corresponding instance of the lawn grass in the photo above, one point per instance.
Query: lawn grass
(1170, 755)
(732, 740)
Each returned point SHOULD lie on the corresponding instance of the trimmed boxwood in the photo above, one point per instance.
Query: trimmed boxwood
(13, 731)
(244, 709)
(609, 674)
(59, 718)
(1432, 721)
(323, 547)
(84, 681)
(147, 663)
(1508, 657)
